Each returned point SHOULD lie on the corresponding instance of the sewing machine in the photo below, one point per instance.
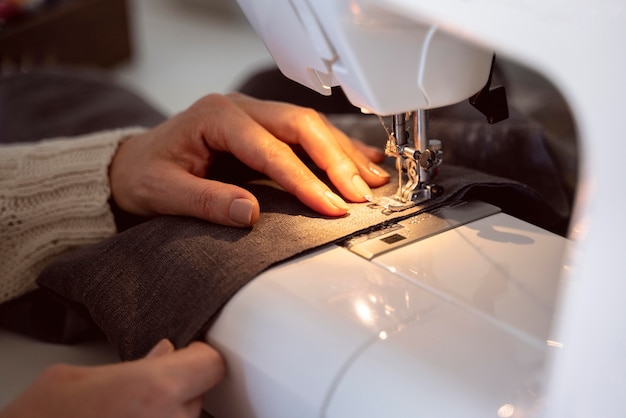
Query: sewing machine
(490, 317)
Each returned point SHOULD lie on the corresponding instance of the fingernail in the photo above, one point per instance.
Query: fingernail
(241, 211)
(161, 348)
(361, 186)
(336, 200)
(378, 170)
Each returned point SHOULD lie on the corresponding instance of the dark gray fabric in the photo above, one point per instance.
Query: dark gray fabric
(169, 276)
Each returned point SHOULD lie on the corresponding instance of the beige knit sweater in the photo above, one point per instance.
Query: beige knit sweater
(53, 199)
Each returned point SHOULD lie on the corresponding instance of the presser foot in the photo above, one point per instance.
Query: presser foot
(391, 204)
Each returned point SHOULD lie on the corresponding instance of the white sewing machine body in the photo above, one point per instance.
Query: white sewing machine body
(462, 329)
(493, 318)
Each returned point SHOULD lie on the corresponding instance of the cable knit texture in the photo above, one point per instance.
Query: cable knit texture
(53, 198)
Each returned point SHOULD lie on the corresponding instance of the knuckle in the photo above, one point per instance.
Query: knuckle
(207, 203)
(212, 99)
(308, 115)
(303, 187)
(341, 166)
(235, 96)
(205, 200)
(264, 160)
(214, 104)
(58, 373)
(160, 390)
(157, 394)
(276, 150)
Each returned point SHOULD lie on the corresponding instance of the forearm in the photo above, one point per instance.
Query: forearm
(54, 197)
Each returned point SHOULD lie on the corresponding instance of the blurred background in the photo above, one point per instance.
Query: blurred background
(184, 49)
(169, 51)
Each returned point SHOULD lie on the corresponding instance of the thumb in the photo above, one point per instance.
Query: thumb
(222, 203)
(161, 348)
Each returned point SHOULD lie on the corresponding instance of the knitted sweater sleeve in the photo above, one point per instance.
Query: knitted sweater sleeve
(53, 198)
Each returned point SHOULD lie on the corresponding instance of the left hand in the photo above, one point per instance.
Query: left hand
(167, 383)
(163, 170)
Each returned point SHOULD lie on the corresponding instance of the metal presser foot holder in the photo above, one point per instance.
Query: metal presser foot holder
(417, 159)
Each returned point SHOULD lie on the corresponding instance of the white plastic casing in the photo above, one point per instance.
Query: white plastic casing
(458, 324)
(384, 62)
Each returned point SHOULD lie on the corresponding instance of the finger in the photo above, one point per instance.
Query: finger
(296, 125)
(363, 155)
(374, 154)
(161, 348)
(259, 149)
(196, 369)
(183, 193)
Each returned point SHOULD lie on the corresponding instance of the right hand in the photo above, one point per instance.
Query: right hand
(162, 171)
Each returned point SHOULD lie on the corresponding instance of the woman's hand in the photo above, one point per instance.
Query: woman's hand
(166, 383)
(162, 171)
